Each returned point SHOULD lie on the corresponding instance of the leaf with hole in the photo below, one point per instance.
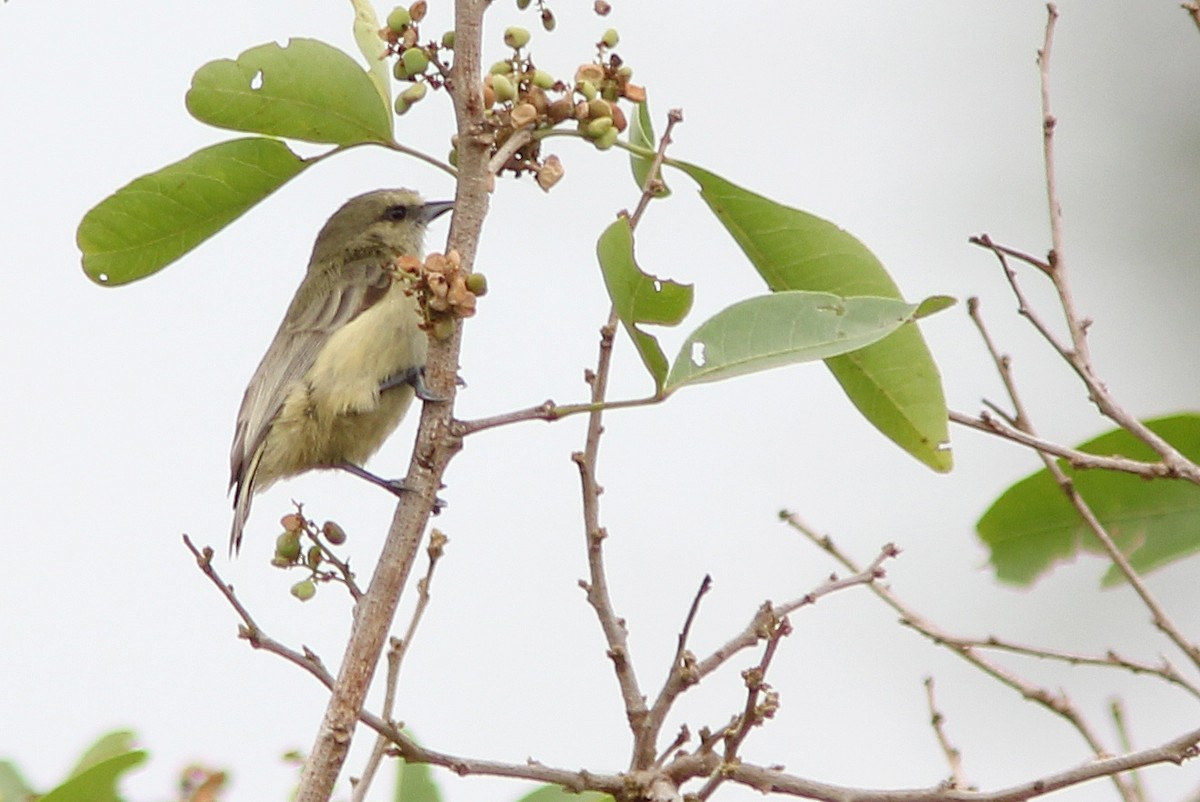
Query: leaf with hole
(783, 328)
(894, 383)
(639, 298)
(307, 90)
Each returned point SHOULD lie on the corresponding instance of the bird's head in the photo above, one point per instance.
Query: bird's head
(391, 220)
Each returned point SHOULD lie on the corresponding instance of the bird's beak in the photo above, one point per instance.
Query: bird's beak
(435, 209)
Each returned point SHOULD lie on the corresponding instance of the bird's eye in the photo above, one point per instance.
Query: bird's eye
(396, 213)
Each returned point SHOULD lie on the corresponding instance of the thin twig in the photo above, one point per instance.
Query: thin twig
(1159, 615)
(1057, 703)
(644, 753)
(958, 778)
(397, 650)
(1166, 671)
(1135, 778)
(753, 713)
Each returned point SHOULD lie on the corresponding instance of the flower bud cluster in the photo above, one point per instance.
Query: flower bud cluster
(444, 291)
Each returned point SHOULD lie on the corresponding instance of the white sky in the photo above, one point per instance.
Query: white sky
(913, 125)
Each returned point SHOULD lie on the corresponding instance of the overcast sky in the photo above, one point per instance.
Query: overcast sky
(913, 125)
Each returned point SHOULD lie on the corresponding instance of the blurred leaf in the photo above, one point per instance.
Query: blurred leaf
(1032, 526)
(152, 221)
(934, 304)
(414, 783)
(307, 90)
(98, 783)
(106, 746)
(641, 134)
(554, 793)
(13, 787)
(640, 298)
(782, 329)
(893, 383)
(373, 48)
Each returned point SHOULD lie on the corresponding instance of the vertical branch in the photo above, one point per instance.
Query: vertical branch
(435, 445)
(598, 596)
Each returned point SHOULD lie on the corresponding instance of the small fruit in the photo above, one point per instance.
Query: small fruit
(607, 139)
(587, 89)
(625, 71)
(477, 284)
(400, 105)
(516, 37)
(560, 110)
(599, 108)
(550, 173)
(591, 72)
(287, 546)
(598, 127)
(543, 79)
(334, 533)
(314, 556)
(523, 114)
(448, 40)
(601, 7)
(414, 93)
(453, 158)
(618, 118)
(415, 60)
(537, 98)
(504, 88)
(548, 21)
(523, 4)
(292, 522)
(417, 10)
(304, 590)
(610, 38)
(399, 19)
(501, 68)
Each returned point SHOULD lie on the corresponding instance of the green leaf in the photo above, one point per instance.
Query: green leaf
(1032, 526)
(98, 783)
(107, 746)
(13, 787)
(893, 383)
(307, 90)
(640, 298)
(553, 793)
(152, 221)
(783, 329)
(641, 134)
(414, 783)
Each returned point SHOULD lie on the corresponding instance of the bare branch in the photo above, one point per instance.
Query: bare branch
(953, 757)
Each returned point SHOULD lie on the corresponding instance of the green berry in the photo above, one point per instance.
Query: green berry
(287, 546)
(523, 4)
(504, 88)
(401, 105)
(625, 71)
(608, 138)
(598, 127)
(587, 89)
(599, 108)
(415, 60)
(399, 19)
(453, 158)
(543, 79)
(414, 93)
(448, 40)
(477, 284)
(516, 37)
(501, 68)
(610, 38)
(334, 533)
(304, 590)
(314, 556)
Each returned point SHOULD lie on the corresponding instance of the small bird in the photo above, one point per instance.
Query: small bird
(347, 359)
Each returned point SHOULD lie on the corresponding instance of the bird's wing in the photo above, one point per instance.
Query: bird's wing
(360, 284)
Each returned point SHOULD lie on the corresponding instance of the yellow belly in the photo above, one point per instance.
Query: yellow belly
(336, 413)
